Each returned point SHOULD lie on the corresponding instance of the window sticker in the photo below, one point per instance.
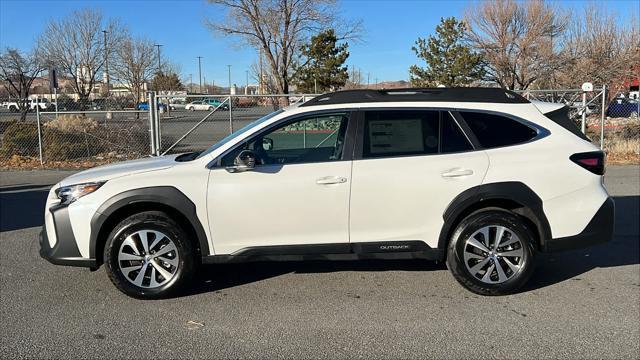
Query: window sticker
(395, 136)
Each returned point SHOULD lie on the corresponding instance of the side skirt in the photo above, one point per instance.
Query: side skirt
(395, 250)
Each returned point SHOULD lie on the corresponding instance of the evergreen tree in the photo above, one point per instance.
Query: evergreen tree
(323, 68)
(168, 81)
(450, 61)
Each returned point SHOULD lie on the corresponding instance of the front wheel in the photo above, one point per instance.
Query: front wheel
(149, 256)
(492, 252)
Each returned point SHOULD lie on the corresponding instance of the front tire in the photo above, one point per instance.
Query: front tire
(492, 252)
(149, 256)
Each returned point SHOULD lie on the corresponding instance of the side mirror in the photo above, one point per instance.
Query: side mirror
(267, 143)
(245, 161)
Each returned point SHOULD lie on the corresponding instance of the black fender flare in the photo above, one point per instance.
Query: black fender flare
(164, 195)
(511, 191)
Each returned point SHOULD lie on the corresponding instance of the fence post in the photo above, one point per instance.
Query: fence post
(39, 133)
(230, 116)
(604, 101)
(151, 99)
(157, 124)
(584, 112)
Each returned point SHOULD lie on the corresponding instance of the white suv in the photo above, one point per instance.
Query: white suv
(481, 178)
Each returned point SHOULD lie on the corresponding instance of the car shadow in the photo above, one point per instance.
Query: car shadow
(222, 276)
(22, 206)
(551, 268)
(624, 249)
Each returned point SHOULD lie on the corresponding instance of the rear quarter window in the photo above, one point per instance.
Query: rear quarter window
(493, 130)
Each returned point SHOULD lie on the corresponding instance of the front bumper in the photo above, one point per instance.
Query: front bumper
(65, 250)
(599, 230)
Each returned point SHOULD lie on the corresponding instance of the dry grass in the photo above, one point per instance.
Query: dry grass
(622, 151)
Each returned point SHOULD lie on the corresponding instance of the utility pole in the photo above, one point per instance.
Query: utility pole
(229, 66)
(246, 87)
(159, 84)
(376, 83)
(260, 91)
(106, 63)
(368, 75)
(190, 83)
(200, 74)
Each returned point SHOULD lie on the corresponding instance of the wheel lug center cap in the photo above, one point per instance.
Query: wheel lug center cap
(147, 258)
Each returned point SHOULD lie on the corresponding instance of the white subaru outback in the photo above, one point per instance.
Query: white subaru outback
(479, 177)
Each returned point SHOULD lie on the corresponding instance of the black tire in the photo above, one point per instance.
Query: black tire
(153, 221)
(477, 221)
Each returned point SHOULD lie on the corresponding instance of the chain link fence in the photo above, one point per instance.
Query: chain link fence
(610, 120)
(79, 134)
(195, 122)
(89, 133)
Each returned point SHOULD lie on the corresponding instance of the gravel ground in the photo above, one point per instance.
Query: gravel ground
(579, 304)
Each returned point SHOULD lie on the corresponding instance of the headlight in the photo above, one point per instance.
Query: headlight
(69, 194)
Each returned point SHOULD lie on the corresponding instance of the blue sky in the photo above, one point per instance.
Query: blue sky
(391, 28)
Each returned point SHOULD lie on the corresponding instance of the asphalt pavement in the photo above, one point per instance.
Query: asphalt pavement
(579, 304)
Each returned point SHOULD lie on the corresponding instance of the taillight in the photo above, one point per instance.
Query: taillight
(592, 161)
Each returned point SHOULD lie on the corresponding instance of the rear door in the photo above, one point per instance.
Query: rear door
(408, 166)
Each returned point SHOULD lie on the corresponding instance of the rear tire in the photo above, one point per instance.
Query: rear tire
(486, 266)
(149, 256)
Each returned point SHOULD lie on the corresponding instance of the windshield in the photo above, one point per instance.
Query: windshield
(232, 136)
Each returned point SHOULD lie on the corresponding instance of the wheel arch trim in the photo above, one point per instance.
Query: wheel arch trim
(166, 196)
(530, 207)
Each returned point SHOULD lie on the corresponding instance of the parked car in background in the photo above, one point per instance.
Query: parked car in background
(145, 106)
(217, 103)
(177, 104)
(43, 104)
(623, 107)
(202, 105)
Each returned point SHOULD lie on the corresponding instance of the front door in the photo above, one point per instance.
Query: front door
(297, 193)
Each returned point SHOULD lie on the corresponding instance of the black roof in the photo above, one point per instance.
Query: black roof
(467, 94)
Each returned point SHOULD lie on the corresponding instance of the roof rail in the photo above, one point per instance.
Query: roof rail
(460, 94)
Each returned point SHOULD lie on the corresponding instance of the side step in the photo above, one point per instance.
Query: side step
(392, 250)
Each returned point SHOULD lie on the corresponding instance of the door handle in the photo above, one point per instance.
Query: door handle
(457, 173)
(328, 180)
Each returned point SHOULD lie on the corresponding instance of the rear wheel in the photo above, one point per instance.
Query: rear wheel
(492, 252)
(149, 256)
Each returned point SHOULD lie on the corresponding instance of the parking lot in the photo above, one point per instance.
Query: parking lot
(579, 304)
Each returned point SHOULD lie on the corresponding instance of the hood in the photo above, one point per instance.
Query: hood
(108, 172)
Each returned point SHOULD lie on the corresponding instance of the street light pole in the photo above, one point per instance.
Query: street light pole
(200, 74)
(191, 83)
(246, 87)
(106, 63)
(159, 66)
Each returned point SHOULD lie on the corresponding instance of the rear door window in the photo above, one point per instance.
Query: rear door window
(389, 133)
(493, 130)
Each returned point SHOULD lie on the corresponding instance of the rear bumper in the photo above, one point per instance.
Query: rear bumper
(599, 230)
(65, 250)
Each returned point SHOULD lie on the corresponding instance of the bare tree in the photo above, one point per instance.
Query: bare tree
(600, 48)
(134, 65)
(76, 46)
(18, 72)
(355, 79)
(278, 28)
(518, 40)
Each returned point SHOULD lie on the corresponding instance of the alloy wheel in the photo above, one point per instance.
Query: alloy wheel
(148, 258)
(493, 254)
